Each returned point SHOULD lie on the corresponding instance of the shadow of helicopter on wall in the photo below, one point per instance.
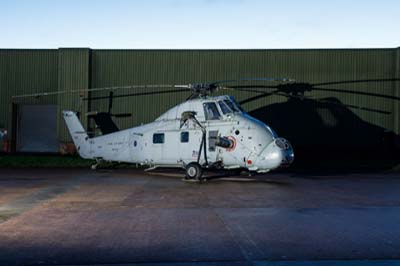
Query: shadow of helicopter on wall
(326, 130)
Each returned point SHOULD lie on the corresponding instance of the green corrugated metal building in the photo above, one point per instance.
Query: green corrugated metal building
(353, 114)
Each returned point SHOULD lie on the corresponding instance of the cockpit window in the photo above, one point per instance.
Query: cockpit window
(211, 111)
(236, 104)
(232, 106)
(224, 108)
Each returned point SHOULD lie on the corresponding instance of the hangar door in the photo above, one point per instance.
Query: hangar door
(37, 128)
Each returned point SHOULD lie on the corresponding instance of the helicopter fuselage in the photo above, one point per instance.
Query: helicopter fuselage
(219, 135)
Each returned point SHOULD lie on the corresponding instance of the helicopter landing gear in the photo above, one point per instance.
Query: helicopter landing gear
(194, 172)
(96, 165)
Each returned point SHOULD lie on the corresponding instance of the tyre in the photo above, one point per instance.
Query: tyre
(194, 171)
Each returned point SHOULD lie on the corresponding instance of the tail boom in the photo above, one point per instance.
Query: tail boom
(78, 134)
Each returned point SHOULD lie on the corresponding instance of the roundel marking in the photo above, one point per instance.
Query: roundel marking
(233, 139)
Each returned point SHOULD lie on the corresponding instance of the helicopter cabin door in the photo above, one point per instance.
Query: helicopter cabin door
(189, 145)
(213, 118)
(164, 147)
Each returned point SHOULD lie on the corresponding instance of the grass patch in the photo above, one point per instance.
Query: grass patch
(54, 161)
(32, 161)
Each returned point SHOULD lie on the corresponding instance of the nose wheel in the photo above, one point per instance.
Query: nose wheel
(194, 172)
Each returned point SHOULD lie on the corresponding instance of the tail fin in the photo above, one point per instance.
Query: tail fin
(78, 134)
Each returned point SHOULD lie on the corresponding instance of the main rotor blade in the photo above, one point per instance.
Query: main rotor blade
(359, 93)
(152, 86)
(248, 89)
(354, 81)
(135, 94)
(252, 79)
(244, 87)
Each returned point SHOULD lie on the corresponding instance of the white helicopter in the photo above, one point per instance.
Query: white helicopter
(204, 132)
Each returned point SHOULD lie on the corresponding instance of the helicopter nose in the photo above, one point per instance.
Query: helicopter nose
(277, 153)
(286, 150)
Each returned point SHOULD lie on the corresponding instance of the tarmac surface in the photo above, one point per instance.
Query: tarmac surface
(129, 217)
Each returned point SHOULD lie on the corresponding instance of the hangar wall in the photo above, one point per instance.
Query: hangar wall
(73, 74)
(25, 72)
(309, 122)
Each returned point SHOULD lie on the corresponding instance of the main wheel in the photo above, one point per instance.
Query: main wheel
(194, 171)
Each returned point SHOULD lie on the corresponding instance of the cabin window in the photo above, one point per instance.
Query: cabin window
(185, 136)
(158, 138)
(211, 111)
(224, 108)
(135, 143)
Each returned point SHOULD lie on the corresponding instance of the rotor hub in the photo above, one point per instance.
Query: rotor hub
(203, 89)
